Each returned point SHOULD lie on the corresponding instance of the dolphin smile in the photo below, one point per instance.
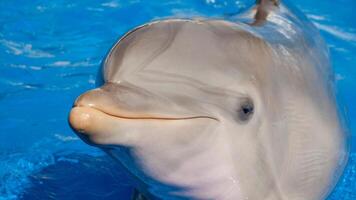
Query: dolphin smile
(80, 117)
(93, 124)
(98, 115)
(118, 107)
(148, 117)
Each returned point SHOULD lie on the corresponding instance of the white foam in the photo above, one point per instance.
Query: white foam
(22, 66)
(66, 63)
(111, 4)
(95, 9)
(210, 1)
(61, 63)
(316, 17)
(339, 77)
(14, 175)
(183, 13)
(91, 80)
(24, 49)
(337, 32)
(41, 8)
(65, 138)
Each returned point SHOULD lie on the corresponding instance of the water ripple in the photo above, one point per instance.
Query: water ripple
(17, 48)
(337, 32)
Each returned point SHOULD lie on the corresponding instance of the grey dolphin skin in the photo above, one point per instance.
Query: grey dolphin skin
(234, 109)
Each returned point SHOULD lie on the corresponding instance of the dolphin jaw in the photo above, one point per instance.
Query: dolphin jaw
(92, 120)
(99, 100)
(81, 117)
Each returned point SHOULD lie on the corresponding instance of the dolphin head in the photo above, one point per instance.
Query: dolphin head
(192, 106)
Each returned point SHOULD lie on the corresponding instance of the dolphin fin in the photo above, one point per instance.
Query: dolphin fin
(263, 8)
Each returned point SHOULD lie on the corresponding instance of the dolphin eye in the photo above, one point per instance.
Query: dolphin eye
(245, 110)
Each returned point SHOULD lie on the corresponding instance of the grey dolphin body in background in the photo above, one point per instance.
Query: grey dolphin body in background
(213, 109)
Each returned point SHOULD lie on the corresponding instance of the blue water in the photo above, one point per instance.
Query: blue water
(50, 52)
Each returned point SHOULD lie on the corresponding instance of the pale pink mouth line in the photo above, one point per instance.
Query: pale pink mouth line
(153, 117)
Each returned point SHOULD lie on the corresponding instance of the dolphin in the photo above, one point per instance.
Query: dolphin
(243, 108)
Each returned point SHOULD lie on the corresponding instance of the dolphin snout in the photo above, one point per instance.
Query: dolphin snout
(94, 126)
(116, 109)
(80, 119)
(131, 102)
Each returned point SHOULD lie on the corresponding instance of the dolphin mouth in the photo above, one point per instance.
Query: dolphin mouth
(89, 120)
(145, 117)
(97, 127)
(101, 111)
